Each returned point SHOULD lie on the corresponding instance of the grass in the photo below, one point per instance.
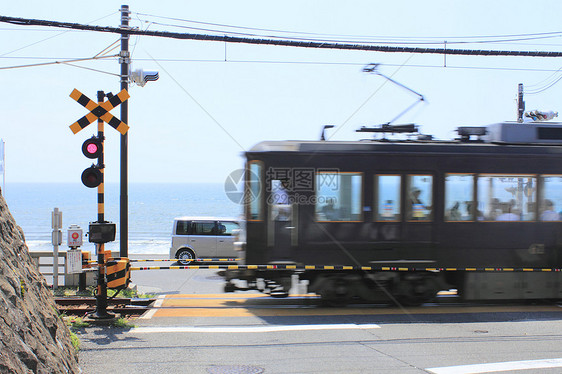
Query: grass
(77, 323)
(72, 291)
(123, 323)
(131, 293)
(75, 340)
(91, 291)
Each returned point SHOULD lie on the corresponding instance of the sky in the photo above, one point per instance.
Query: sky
(213, 100)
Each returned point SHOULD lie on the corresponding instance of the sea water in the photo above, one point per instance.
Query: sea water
(152, 209)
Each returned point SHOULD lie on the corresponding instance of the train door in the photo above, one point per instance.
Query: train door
(388, 209)
(419, 210)
(281, 217)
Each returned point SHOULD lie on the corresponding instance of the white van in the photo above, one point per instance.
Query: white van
(203, 237)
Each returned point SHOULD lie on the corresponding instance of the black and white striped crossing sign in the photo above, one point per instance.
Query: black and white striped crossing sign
(100, 111)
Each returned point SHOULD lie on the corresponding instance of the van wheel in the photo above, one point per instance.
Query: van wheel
(185, 256)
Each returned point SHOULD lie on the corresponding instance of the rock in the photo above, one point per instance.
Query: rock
(33, 338)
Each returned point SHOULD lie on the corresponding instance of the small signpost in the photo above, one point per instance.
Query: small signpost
(74, 255)
(56, 240)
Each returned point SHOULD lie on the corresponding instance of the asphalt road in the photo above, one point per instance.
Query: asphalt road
(210, 332)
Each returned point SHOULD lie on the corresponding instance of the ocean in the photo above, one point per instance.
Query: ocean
(152, 208)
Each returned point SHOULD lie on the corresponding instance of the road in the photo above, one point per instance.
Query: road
(198, 329)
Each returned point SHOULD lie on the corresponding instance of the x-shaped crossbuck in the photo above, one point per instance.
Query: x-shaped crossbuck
(100, 111)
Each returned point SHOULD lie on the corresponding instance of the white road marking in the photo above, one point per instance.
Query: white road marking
(237, 329)
(498, 366)
(157, 304)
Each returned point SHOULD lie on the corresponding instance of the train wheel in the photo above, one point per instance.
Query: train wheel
(276, 290)
(336, 293)
(416, 289)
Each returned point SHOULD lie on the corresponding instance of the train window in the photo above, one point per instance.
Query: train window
(420, 191)
(459, 197)
(551, 205)
(279, 201)
(387, 197)
(338, 196)
(253, 193)
(507, 197)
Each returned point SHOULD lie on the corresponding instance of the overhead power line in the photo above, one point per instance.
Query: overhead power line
(380, 38)
(276, 42)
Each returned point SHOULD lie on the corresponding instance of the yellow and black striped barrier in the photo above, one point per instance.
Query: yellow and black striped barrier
(343, 268)
(118, 273)
(195, 260)
(87, 261)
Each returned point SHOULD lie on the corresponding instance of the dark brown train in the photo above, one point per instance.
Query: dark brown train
(404, 219)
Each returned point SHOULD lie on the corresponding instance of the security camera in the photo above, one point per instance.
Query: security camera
(140, 77)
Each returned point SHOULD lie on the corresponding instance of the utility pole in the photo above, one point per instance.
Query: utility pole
(124, 60)
(520, 103)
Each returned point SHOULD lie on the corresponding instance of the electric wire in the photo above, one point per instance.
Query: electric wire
(108, 49)
(339, 40)
(543, 88)
(344, 123)
(407, 40)
(51, 37)
(543, 85)
(91, 69)
(279, 42)
(58, 62)
(324, 63)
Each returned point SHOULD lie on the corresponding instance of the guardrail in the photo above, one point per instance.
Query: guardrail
(45, 262)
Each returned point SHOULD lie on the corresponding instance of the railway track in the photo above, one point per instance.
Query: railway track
(79, 306)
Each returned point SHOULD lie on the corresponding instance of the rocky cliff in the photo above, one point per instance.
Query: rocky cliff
(33, 339)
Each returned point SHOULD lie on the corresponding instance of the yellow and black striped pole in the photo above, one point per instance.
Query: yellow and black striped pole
(101, 296)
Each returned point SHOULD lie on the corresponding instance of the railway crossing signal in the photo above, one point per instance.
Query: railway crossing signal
(99, 111)
(101, 231)
(92, 148)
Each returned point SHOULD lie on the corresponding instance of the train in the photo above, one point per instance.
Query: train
(402, 218)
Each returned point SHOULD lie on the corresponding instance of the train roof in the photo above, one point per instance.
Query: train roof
(493, 138)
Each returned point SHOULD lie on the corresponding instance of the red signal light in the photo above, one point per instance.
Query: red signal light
(92, 148)
(92, 177)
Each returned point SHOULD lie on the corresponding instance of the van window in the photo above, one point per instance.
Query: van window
(183, 228)
(225, 228)
(203, 228)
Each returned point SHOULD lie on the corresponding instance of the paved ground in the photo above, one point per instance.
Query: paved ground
(195, 328)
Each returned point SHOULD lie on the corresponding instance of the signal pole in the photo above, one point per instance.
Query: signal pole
(520, 103)
(101, 296)
(124, 60)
